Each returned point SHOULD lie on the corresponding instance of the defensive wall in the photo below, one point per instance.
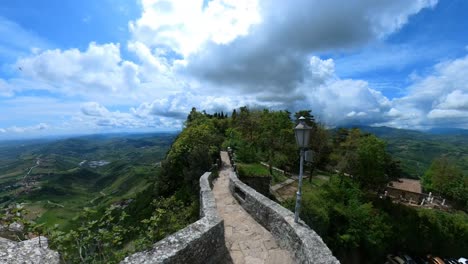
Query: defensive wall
(200, 242)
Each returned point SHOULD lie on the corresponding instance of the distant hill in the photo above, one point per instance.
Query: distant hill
(57, 178)
(448, 131)
(417, 149)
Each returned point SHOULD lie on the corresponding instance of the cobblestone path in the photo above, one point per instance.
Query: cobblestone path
(247, 241)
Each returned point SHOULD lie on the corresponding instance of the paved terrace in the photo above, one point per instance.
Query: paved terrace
(246, 240)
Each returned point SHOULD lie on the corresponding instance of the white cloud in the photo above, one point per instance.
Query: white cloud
(348, 101)
(94, 109)
(25, 129)
(448, 113)
(394, 113)
(95, 115)
(438, 99)
(98, 70)
(179, 105)
(152, 62)
(457, 100)
(184, 26)
(320, 70)
(274, 55)
(233, 53)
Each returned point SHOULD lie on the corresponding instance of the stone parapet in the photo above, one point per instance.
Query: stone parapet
(28, 251)
(260, 184)
(299, 239)
(200, 242)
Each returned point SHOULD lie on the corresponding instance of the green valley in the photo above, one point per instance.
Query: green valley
(416, 150)
(55, 180)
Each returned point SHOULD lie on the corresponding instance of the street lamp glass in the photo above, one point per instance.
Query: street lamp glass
(302, 131)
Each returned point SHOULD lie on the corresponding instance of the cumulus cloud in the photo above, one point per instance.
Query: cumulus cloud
(348, 102)
(97, 70)
(437, 99)
(94, 109)
(457, 100)
(96, 115)
(183, 26)
(274, 55)
(222, 54)
(179, 105)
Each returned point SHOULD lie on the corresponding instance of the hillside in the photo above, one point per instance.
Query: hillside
(56, 179)
(416, 149)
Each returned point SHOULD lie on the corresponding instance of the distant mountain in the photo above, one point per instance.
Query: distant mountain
(448, 131)
(417, 149)
(389, 131)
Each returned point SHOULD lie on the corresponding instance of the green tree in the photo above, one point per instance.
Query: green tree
(445, 178)
(276, 136)
(194, 151)
(364, 157)
(442, 176)
(345, 156)
(351, 226)
(370, 170)
(320, 146)
(307, 114)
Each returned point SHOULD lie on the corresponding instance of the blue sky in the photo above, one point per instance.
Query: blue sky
(69, 67)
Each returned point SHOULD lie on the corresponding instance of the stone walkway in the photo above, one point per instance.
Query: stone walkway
(247, 241)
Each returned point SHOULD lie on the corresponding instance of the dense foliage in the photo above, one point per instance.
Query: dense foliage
(358, 226)
(195, 150)
(108, 236)
(416, 150)
(263, 135)
(363, 157)
(362, 229)
(445, 178)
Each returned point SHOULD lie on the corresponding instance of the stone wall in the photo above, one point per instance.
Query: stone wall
(200, 242)
(28, 251)
(299, 239)
(260, 184)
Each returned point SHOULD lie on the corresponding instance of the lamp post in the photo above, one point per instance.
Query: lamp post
(302, 131)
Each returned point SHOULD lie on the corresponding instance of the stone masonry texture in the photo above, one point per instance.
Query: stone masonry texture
(247, 241)
(27, 251)
(299, 239)
(200, 242)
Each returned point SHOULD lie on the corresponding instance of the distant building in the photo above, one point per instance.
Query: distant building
(409, 190)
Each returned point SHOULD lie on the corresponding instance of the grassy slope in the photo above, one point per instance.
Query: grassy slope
(258, 170)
